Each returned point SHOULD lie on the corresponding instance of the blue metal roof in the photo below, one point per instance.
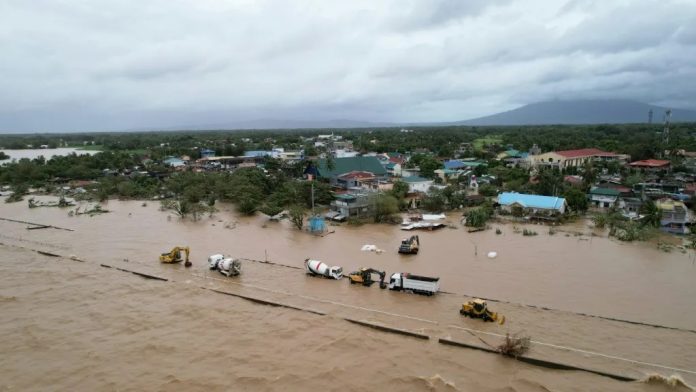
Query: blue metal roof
(457, 164)
(531, 201)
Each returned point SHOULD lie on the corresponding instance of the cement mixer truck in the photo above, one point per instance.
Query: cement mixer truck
(317, 268)
(227, 266)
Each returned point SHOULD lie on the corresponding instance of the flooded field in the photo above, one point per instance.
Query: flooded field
(119, 331)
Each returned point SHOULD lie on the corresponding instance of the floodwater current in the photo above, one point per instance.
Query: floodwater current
(81, 326)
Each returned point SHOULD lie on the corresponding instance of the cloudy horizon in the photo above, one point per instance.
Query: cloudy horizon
(87, 65)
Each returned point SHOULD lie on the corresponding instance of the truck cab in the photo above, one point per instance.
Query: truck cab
(395, 281)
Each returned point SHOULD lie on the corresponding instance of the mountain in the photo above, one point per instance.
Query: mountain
(582, 112)
(271, 123)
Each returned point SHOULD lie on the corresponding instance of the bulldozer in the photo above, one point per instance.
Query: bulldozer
(176, 255)
(409, 246)
(479, 309)
(364, 277)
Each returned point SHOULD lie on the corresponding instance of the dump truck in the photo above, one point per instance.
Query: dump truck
(318, 268)
(414, 283)
(409, 246)
(226, 265)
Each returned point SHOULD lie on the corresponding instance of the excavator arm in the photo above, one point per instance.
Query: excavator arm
(175, 256)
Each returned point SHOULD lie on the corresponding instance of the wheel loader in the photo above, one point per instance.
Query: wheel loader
(410, 246)
(479, 309)
(176, 255)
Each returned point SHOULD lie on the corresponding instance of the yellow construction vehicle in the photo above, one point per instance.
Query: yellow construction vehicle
(410, 246)
(364, 277)
(479, 309)
(175, 256)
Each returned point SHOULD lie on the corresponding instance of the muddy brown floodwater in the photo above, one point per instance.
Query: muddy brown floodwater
(70, 325)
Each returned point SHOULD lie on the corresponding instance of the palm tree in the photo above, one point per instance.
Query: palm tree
(652, 214)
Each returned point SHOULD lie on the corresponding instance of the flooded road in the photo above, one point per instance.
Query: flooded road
(582, 274)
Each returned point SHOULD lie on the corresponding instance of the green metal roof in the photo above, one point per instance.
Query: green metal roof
(346, 165)
(605, 192)
(415, 179)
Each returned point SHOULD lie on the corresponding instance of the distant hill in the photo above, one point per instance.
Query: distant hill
(271, 123)
(582, 112)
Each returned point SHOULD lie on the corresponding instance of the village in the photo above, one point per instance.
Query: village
(549, 187)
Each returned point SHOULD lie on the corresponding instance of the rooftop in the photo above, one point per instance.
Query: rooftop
(357, 175)
(415, 179)
(650, 163)
(351, 164)
(584, 152)
(531, 201)
(605, 192)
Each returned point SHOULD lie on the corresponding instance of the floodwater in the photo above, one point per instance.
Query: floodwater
(76, 325)
(47, 153)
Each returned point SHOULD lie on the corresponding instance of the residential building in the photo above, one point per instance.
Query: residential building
(207, 153)
(603, 197)
(573, 158)
(345, 153)
(342, 166)
(393, 169)
(675, 216)
(174, 162)
(630, 207)
(357, 179)
(531, 204)
(448, 174)
(353, 205)
(651, 165)
(455, 164)
(410, 171)
(418, 184)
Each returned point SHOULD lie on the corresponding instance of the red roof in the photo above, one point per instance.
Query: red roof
(357, 175)
(650, 163)
(584, 152)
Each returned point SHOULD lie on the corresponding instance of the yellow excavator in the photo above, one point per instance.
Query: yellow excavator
(479, 309)
(364, 277)
(177, 255)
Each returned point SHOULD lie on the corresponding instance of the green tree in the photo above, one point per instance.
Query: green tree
(385, 207)
(576, 199)
(297, 215)
(651, 214)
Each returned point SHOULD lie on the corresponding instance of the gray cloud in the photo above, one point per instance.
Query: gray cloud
(98, 65)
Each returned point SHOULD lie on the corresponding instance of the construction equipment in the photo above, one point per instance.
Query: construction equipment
(410, 246)
(414, 283)
(317, 268)
(175, 256)
(364, 277)
(479, 309)
(226, 265)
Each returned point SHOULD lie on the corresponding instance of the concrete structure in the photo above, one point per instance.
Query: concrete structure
(353, 205)
(603, 197)
(418, 184)
(651, 165)
(675, 216)
(532, 204)
(573, 158)
(174, 162)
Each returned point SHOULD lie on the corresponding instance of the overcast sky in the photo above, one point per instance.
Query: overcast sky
(77, 65)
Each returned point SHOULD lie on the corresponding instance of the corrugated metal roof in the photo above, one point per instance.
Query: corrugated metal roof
(531, 201)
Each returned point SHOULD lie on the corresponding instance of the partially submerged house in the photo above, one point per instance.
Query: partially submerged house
(338, 171)
(603, 197)
(418, 184)
(351, 205)
(675, 216)
(532, 205)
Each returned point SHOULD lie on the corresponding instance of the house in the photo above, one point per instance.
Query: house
(356, 179)
(651, 165)
(525, 204)
(410, 171)
(207, 153)
(341, 153)
(603, 197)
(393, 169)
(447, 174)
(174, 162)
(352, 205)
(573, 158)
(675, 216)
(342, 166)
(418, 184)
(455, 164)
(630, 207)
(575, 181)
